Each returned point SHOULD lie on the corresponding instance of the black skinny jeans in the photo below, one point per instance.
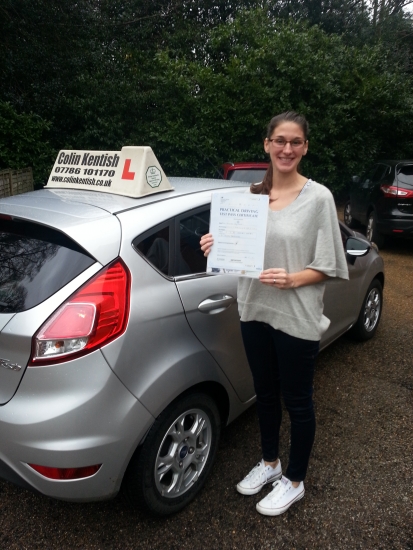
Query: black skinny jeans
(283, 365)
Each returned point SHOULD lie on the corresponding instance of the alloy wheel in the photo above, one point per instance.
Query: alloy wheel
(183, 453)
(372, 309)
(347, 214)
(370, 228)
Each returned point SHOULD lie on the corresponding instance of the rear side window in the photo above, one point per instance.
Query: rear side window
(377, 173)
(405, 176)
(35, 262)
(155, 247)
(191, 259)
(173, 247)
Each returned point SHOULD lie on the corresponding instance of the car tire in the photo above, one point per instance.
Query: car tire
(372, 233)
(368, 320)
(176, 457)
(348, 218)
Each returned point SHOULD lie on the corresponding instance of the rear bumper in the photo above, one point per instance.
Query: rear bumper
(396, 227)
(68, 416)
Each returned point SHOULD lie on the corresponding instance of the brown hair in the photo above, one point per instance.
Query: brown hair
(264, 187)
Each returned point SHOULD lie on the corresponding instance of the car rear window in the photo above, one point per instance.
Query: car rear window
(250, 175)
(405, 176)
(35, 262)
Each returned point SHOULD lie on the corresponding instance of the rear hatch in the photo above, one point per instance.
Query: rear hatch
(50, 244)
(35, 263)
(405, 189)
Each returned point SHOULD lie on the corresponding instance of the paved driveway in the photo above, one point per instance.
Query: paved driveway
(359, 491)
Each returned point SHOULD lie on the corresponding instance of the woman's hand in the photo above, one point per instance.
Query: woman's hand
(206, 243)
(277, 277)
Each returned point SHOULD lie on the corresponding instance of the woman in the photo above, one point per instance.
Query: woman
(281, 313)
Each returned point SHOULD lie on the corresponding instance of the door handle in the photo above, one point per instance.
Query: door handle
(216, 304)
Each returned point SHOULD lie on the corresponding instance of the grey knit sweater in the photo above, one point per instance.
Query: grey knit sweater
(305, 234)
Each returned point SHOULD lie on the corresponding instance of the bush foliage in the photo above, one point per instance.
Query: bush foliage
(217, 111)
(23, 142)
(200, 85)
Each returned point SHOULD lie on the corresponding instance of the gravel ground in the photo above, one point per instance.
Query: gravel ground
(359, 489)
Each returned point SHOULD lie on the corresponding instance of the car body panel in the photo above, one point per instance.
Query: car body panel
(342, 298)
(339, 303)
(16, 335)
(5, 318)
(57, 419)
(367, 191)
(157, 316)
(217, 328)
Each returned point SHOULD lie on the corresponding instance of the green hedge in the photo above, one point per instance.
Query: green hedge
(23, 142)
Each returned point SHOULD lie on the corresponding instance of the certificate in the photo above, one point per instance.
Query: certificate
(238, 224)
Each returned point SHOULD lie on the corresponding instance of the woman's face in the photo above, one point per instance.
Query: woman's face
(285, 158)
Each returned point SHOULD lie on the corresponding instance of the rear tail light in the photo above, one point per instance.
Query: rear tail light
(92, 317)
(392, 191)
(66, 473)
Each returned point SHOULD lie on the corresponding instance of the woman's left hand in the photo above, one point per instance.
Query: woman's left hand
(277, 277)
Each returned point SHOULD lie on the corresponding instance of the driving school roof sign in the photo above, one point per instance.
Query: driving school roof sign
(133, 172)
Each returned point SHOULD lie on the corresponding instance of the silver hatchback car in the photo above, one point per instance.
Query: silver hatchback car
(120, 358)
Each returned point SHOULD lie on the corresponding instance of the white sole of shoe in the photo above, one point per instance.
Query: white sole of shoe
(278, 511)
(248, 492)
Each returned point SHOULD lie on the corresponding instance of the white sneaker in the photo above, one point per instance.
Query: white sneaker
(281, 497)
(259, 476)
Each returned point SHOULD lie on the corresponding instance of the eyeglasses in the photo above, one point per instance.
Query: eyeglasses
(281, 142)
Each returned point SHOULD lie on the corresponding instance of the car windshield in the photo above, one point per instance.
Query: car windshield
(250, 175)
(405, 176)
(35, 262)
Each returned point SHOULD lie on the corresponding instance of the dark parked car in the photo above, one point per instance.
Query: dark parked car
(383, 201)
(251, 172)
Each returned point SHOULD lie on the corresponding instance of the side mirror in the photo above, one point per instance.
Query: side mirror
(355, 179)
(357, 247)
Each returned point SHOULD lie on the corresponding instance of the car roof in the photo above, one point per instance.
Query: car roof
(79, 203)
(83, 215)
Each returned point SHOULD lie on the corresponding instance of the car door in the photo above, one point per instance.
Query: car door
(210, 302)
(343, 299)
(362, 192)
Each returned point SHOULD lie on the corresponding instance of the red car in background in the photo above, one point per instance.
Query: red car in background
(252, 172)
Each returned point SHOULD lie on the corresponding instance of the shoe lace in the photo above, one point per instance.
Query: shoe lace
(256, 471)
(279, 489)
(277, 492)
